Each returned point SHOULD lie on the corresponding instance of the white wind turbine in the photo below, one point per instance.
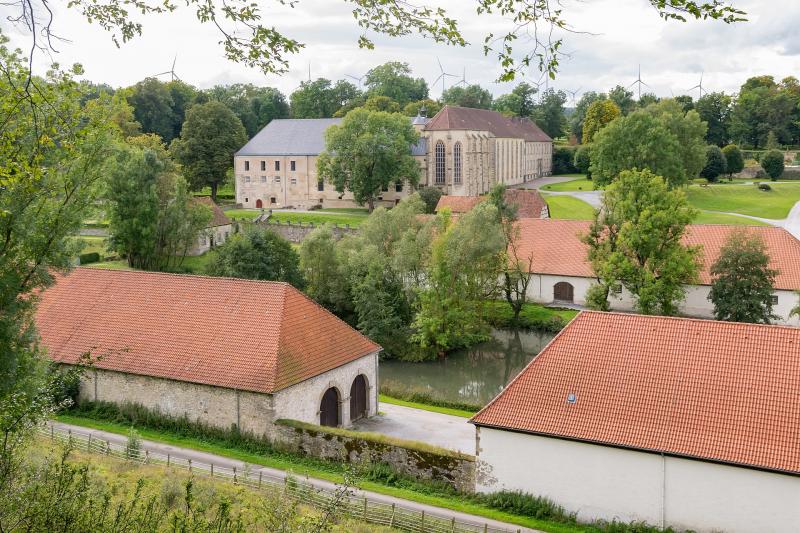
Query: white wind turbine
(574, 94)
(171, 71)
(356, 78)
(699, 85)
(639, 82)
(442, 76)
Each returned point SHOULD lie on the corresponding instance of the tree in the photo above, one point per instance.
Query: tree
(715, 110)
(716, 165)
(599, 114)
(520, 102)
(772, 163)
(690, 131)
(381, 103)
(152, 108)
(430, 195)
(764, 106)
(623, 99)
(583, 160)
(647, 99)
(368, 151)
(473, 96)
(321, 267)
(257, 253)
(210, 136)
(638, 141)
(549, 114)
(255, 106)
(578, 116)
(686, 102)
(322, 99)
(635, 242)
(743, 281)
(393, 79)
(734, 159)
(430, 107)
(183, 97)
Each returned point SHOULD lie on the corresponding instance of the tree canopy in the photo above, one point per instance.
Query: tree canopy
(520, 102)
(734, 159)
(393, 79)
(322, 99)
(470, 96)
(257, 253)
(255, 106)
(716, 165)
(772, 163)
(599, 114)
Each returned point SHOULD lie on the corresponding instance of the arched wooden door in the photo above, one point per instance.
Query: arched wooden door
(329, 408)
(563, 292)
(259, 203)
(358, 398)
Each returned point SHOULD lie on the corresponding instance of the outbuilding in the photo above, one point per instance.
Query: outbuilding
(218, 230)
(221, 351)
(684, 423)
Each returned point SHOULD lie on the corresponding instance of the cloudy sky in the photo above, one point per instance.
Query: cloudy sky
(621, 34)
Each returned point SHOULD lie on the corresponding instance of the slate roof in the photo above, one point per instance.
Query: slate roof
(557, 249)
(529, 202)
(467, 118)
(257, 336)
(297, 136)
(703, 389)
(218, 218)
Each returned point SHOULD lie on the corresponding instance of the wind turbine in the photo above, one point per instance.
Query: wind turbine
(699, 85)
(442, 76)
(357, 78)
(574, 94)
(640, 83)
(171, 71)
(463, 81)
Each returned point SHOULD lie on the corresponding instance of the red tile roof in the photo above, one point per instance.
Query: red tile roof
(250, 335)
(719, 391)
(467, 118)
(557, 248)
(529, 202)
(218, 215)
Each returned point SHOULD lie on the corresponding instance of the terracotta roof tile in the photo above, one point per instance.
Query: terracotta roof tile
(557, 248)
(720, 391)
(467, 118)
(459, 204)
(249, 335)
(530, 203)
(218, 215)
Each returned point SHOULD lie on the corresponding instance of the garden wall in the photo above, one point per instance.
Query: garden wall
(416, 460)
(297, 232)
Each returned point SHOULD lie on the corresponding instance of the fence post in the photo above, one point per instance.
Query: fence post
(422, 523)
(89, 443)
(69, 437)
(146, 456)
(167, 460)
(212, 469)
(259, 479)
(234, 475)
(108, 447)
(453, 525)
(485, 528)
(365, 508)
(391, 520)
(190, 465)
(52, 432)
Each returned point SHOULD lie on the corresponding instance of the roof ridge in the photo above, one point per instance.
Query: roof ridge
(688, 319)
(127, 271)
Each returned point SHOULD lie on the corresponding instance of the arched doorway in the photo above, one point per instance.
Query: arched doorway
(259, 203)
(358, 398)
(563, 292)
(329, 408)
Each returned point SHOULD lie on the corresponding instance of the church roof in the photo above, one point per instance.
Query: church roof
(467, 118)
(258, 336)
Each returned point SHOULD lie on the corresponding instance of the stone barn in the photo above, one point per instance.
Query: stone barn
(218, 230)
(220, 351)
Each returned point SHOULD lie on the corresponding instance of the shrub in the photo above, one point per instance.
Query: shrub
(582, 160)
(430, 195)
(133, 446)
(418, 395)
(772, 163)
(86, 259)
(523, 504)
(715, 164)
(563, 160)
(734, 159)
(764, 187)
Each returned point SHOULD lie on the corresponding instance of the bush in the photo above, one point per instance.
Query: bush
(430, 195)
(772, 163)
(734, 159)
(86, 259)
(133, 446)
(523, 504)
(582, 160)
(715, 164)
(764, 187)
(418, 395)
(563, 160)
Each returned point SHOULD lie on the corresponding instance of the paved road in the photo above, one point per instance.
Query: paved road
(218, 460)
(792, 221)
(446, 431)
(547, 180)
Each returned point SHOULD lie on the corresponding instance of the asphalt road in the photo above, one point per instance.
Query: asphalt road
(218, 460)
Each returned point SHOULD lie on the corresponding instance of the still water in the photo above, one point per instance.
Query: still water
(474, 375)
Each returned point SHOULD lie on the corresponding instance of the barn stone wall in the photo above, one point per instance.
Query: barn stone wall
(421, 463)
(297, 232)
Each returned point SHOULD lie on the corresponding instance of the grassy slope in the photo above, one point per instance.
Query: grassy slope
(425, 407)
(352, 217)
(94, 244)
(283, 463)
(746, 199)
(721, 218)
(578, 184)
(567, 207)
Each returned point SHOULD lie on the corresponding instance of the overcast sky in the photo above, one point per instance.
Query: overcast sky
(625, 34)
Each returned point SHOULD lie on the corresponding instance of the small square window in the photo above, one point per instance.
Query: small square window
(277, 165)
(277, 179)
(320, 185)
(263, 165)
(247, 165)
(294, 181)
(292, 166)
(263, 179)
(272, 200)
(774, 299)
(247, 179)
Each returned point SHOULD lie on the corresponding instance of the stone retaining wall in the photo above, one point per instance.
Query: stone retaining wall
(455, 469)
(297, 232)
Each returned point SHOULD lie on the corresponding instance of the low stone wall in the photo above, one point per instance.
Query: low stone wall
(297, 232)
(423, 462)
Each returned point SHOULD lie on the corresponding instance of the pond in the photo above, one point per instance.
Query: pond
(474, 375)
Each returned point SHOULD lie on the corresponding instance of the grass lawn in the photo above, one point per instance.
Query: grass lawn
(532, 316)
(94, 244)
(318, 217)
(348, 210)
(426, 407)
(248, 214)
(746, 199)
(578, 184)
(111, 265)
(567, 207)
(287, 463)
(721, 218)
(193, 264)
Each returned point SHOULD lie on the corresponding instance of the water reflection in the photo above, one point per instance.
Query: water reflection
(474, 375)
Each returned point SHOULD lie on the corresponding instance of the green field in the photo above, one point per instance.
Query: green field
(578, 184)
(319, 217)
(746, 199)
(94, 244)
(247, 214)
(567, 207)
(190, 265)
(706, 217)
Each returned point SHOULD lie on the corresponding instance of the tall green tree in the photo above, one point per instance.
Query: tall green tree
(394, 79)
(257, 253)
(210, 136)
(549, 114)
(716, 165)
(635, 243)
(520, 102)
(153, 108)
(734, 159)
(183, 97)
(772, 163)
(255, 106)
(368, 151)
(764, 106)
(599, 114)
(322, 99)
(578, 116)
(623, 99)
(323, 271)
(715, 110)
(688, 128)
(430, 108)
(743, 281)
(473, 96)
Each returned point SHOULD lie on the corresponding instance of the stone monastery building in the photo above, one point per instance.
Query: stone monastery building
(220, 351)
(462, 151)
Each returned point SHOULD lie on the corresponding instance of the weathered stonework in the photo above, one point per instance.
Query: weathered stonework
(298, 232)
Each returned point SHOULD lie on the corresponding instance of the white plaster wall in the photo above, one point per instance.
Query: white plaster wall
(601, 482)
(302, 401)
(695, 303)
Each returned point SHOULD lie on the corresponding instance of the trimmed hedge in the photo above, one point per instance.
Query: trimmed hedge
(91, 257)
